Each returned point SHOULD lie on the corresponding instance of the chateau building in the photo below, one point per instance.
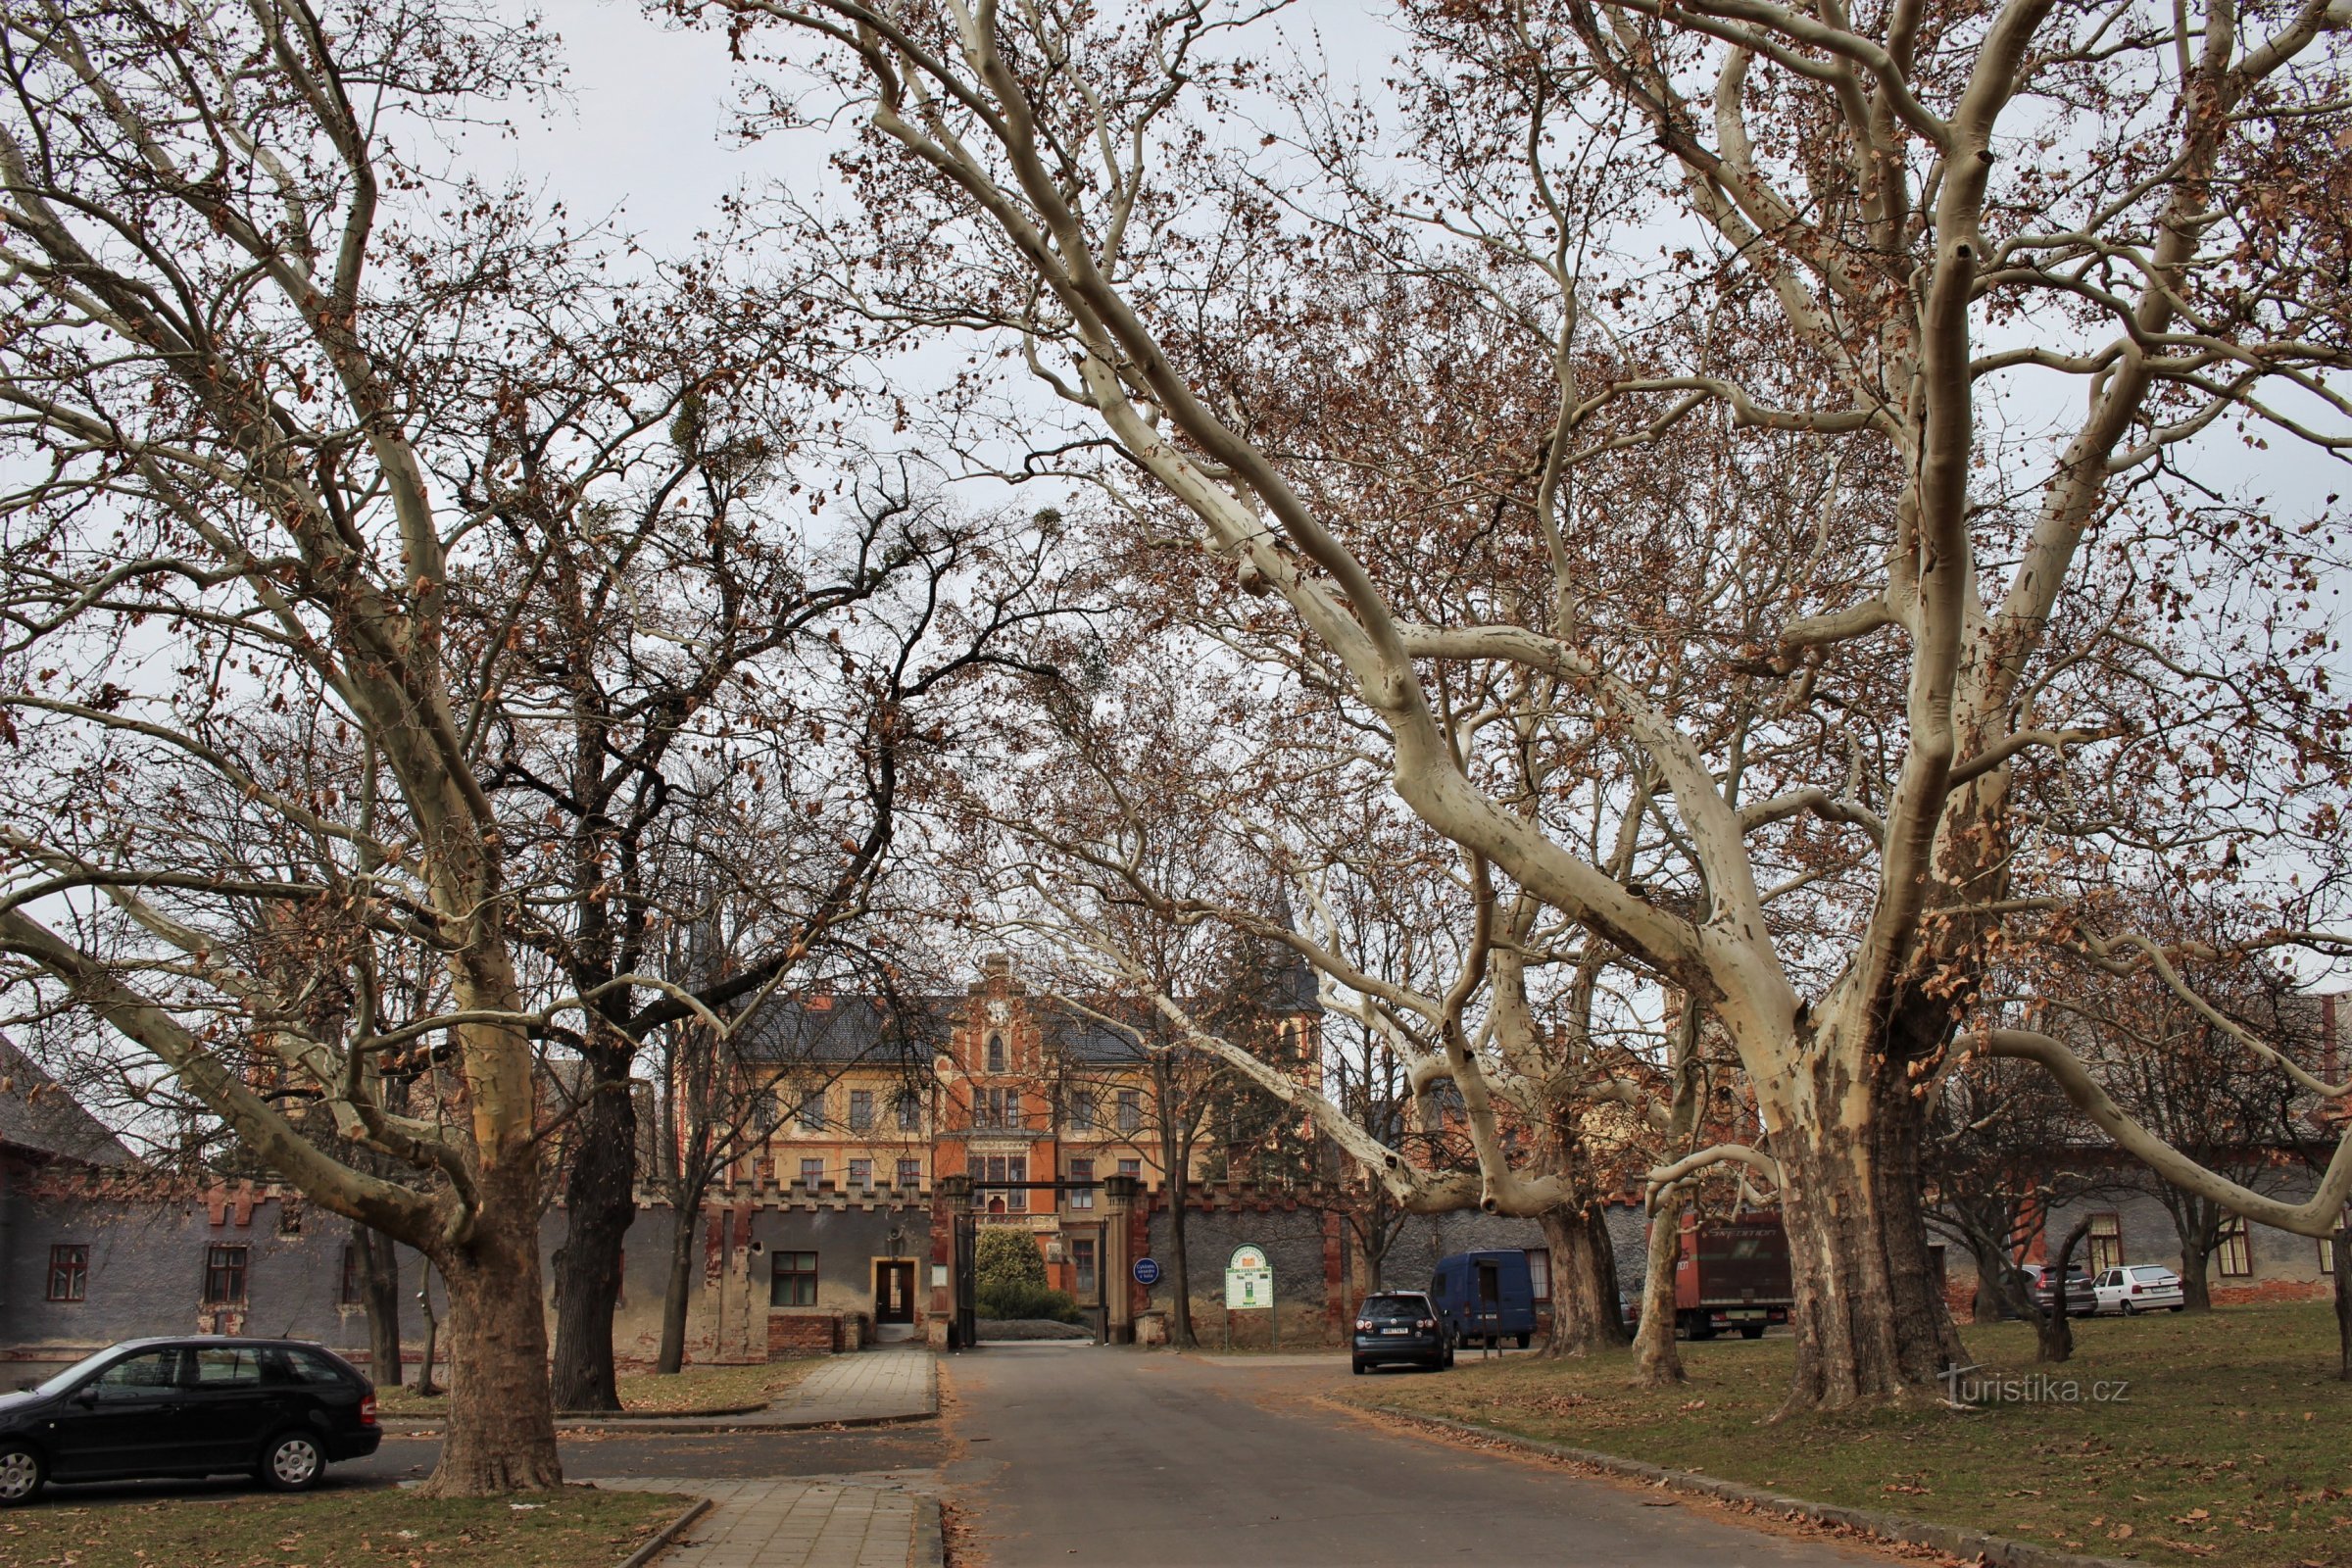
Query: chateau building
(1032, 1101)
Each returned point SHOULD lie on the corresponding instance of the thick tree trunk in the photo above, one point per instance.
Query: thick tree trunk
(1657, 1360)
(2197, 1265)
(379, 1297)
(1870, 1324)
(1585, 1311)
(599, 1206)
(1180, 1332)
(1986, 1307)
(2054, 1333)
(2343, 1303)
(676, 1291)
(501, 1435)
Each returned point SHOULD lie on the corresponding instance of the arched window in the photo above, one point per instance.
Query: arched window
(996, 1053)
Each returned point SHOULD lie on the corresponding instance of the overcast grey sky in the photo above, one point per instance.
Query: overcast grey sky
(643, 132)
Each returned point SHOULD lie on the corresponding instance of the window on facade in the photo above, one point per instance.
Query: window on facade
(910, 1175)
(862, 1175)
(1131, 1110)
(224, 1276)
(69, 1271)
(1539, 1271)
(1000, 1168)
(1082, 1170)
(1132, 1167)
(1082, 1110)
(996, 1053)
(349, 1295)
(2106, 1240)
(1082, 1263)
(813, 1171)
(861, 1108)
(813, 1110)
(794, 1280)
(910, 1112)
(2235, 1255)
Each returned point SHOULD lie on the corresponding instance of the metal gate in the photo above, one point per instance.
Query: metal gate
(1110, 1272)
(967, 1286)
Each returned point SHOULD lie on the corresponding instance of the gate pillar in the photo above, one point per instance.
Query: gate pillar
(1119, 1195)
(951, 1259)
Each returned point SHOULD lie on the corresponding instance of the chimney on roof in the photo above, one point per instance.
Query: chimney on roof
(996, 963)
(822, 1001)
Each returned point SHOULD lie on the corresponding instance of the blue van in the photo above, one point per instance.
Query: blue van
(1484, 1297)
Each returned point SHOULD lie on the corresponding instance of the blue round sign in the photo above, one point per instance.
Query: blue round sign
(1146, 1271)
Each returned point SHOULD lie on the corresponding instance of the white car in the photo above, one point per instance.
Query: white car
(2139, 1287)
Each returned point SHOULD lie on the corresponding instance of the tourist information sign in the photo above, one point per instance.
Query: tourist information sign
(1249, 1280)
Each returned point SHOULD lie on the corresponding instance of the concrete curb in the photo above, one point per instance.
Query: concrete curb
(1997, 1551)
(646, 1425)
(674, 1529)
(682, 1415)
(930, 1548)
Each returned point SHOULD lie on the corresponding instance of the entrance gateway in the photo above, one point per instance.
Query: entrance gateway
(1102, 1259)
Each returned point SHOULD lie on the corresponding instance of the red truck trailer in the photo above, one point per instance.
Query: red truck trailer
(1733, 1274)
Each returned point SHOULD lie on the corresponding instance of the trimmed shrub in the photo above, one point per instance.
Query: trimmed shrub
(1004, 1257)
(1026, 1301)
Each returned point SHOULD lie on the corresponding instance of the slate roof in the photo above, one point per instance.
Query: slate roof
(841, 1031)
(38, 1115)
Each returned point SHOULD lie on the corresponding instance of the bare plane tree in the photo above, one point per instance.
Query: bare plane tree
(1886, 220)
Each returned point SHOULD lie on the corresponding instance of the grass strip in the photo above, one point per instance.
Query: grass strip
(577, 1527)
(2177, 1439)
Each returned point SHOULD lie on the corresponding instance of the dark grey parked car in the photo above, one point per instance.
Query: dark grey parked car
(2081, 1300)
(1401, 1326)
(279, 1410)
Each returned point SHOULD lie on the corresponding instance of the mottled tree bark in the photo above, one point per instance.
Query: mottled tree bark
(1585, 1310)
(500, 1436)
(1657, 1360)
(1871, 1325)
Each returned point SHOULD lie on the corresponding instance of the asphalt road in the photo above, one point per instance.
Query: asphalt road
(1068, 1455)
(1079, 1455)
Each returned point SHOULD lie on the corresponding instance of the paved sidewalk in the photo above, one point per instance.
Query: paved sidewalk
(899, 1384)
(799, 1524)
(869, 1388)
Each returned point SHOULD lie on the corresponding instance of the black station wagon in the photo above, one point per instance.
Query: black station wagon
(279, 1410)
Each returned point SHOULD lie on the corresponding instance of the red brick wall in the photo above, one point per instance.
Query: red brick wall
(802, 1333)
(2268, 1291)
